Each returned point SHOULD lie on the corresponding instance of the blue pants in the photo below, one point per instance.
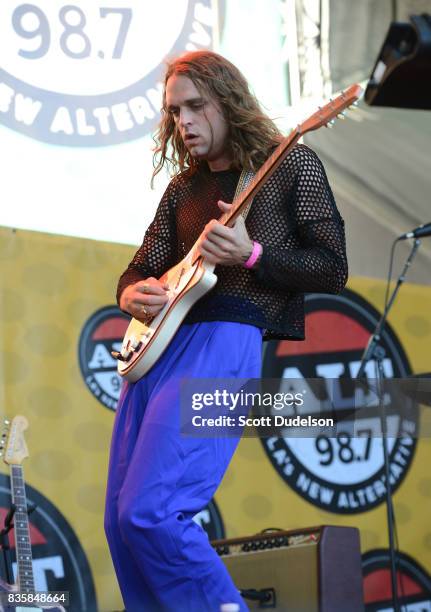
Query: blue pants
(158, 480)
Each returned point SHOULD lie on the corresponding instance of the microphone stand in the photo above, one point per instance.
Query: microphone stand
(375, 351)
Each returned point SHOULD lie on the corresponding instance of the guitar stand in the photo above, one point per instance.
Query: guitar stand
(4, 541)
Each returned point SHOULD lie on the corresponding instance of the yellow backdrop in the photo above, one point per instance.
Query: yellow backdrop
(51, 286)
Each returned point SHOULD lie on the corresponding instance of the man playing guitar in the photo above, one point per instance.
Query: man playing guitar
(292, 242)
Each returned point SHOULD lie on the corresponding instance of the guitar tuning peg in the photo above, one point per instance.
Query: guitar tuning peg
(342, 115)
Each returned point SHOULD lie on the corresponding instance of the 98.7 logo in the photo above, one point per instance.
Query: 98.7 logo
(344, 473)
(31, 22)
(342, 470)
(90, 73)
(344, 448)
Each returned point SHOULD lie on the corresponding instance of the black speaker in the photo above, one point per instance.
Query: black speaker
(401, 75)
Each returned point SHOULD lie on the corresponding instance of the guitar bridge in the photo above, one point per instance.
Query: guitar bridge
(117, 355)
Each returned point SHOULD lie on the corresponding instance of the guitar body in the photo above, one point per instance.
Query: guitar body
(14, 588)
(143, 343)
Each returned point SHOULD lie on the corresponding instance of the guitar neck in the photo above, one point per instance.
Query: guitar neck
(22, 531)
(261, 176)
(323, 116)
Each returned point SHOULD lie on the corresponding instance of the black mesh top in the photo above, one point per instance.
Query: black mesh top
(294, 217)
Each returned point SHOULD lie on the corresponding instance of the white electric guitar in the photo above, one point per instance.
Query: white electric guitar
(193, 277)
(14, 454)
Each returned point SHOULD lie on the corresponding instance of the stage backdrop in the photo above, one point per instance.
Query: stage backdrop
(58, 325)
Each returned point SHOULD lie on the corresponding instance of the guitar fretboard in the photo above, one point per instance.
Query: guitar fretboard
(22, 531)
(262, 175)
(322, 117)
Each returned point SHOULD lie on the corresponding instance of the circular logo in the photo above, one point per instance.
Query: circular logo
(414, 583)
(90, 73)
(102, 333)
(211, 521)
(342, 474)
(59, 561)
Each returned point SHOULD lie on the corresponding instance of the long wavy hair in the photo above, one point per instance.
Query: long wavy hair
(252, 134)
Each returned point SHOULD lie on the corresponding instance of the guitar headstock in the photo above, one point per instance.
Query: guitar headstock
(328, 113)
(13, 448)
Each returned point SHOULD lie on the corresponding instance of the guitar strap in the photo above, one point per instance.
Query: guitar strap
(244, 180)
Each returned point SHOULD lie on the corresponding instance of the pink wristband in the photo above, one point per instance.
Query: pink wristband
(255, 254)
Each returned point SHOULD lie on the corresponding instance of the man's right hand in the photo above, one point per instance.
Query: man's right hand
(145, 298)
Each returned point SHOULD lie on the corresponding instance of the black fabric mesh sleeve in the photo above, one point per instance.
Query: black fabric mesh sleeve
(158, 251)
(319, 264)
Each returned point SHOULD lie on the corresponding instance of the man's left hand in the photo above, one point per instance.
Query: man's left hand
(227, 246)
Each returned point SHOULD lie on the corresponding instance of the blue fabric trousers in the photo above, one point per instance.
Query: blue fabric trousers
(158, 480)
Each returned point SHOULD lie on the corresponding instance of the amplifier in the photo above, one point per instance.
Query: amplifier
(316, 569)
